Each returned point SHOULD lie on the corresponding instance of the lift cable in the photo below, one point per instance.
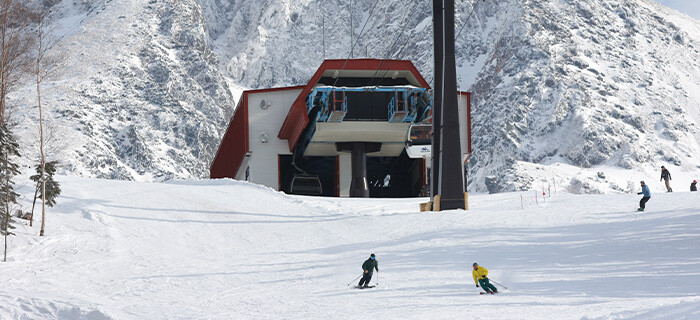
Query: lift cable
(465, 22)
(393, 43)
(356, 40)
(407, 40)
(474, 3)
(398, 54)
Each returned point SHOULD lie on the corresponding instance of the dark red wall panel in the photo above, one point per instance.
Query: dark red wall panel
(234, 145)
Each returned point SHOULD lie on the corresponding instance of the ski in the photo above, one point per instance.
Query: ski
(487, 292)
(363, 287)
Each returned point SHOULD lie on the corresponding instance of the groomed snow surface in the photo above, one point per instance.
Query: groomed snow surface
(232, 250)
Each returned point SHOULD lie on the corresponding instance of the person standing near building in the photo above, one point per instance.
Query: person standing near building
(367, 269)
(666, 177)
(693, 186)
(480, 275)
(645, 198)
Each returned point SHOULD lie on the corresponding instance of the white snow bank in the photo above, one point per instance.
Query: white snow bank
(225, 249)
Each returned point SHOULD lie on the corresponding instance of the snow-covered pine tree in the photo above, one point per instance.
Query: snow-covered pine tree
(53, 188)
(9, 150)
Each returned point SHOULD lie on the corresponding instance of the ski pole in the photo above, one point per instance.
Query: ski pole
(504, 287)
(354, 280)
(377, 277)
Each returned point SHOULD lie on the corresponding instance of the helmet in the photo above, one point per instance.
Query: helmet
(372, 255)
(642, 182)
(475, 265)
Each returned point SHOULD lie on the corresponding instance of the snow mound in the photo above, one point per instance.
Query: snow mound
(38, 309)
(228, 249)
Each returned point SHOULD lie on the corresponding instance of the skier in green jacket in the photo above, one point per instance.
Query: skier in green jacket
(480, 273)
(367, 269)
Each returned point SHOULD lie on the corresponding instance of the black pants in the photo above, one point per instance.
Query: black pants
(365, 279)
(642, 203)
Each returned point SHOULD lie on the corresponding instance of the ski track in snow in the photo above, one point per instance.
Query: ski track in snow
(227, 249)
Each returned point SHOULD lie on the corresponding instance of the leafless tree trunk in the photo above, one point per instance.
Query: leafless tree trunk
(4, 259)
(45, 67)
(39, 56)
(7, 211)
(15, 45)
(31, 215)
(54, 141)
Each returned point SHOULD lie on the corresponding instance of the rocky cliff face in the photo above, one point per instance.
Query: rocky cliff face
(139, 95)
(596, 83)
(588, 85)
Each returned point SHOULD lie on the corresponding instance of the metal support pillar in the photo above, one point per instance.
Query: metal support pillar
(451, 175)
(359, 188)
(437, 98)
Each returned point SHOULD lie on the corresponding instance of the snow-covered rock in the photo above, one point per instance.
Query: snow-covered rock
(139, 96)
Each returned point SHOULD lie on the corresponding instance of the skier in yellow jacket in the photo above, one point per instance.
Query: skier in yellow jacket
(480, 277)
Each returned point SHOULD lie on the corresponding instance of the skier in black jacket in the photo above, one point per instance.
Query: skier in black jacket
(367, 269)
(666, 176)
(693, 186)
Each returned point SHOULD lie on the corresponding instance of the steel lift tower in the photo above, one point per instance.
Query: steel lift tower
(447, 175)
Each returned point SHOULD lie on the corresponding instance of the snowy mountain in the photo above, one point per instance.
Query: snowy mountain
(139, 95)
(600, 85)
(594, 83)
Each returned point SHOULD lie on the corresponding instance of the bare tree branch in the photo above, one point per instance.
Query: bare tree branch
(16, 43)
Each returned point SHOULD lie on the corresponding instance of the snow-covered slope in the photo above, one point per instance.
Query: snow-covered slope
(592, 84)
(231, 250)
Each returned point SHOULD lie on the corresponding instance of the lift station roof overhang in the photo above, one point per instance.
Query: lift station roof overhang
(350, 73)
(369, 77)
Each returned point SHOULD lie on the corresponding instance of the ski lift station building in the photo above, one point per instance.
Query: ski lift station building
(359, 127)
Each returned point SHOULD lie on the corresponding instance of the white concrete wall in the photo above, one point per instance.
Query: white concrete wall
(345, 174)
(463, 123)
(263, 160)
(241, 174)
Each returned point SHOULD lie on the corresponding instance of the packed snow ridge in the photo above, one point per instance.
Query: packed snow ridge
(223, 249)
(598, 85)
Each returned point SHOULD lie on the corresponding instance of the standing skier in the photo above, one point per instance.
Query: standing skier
(481, 274)
(368, 268)
(693, 186)
(666, 177)
(645, 198)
